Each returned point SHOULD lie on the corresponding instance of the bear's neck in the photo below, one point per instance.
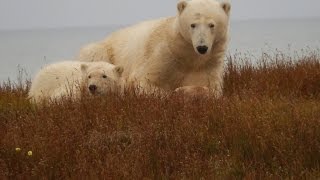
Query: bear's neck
(178, 43)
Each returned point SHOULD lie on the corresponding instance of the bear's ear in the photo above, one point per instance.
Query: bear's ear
(84, 67)
(181, 6)
(226, 6)
(118, 70)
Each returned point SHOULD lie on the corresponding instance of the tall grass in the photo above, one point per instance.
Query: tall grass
(267, 125)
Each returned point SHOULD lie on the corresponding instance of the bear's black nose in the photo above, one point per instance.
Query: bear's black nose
(202, 49)
(92, 88)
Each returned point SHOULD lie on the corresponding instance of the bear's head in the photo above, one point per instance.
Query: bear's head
(203, 23)
(101, 77)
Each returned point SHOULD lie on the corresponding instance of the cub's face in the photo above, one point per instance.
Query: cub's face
(203, 22)
(101, 78)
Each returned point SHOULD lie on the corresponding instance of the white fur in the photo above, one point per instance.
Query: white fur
(163, 53)
(70, 78)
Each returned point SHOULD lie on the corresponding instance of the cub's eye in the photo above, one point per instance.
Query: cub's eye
(89, 77)
(211, 25)
(193, 25)
(104, 76)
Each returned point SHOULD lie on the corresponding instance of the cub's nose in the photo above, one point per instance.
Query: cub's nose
(92, 88)
(202, 49)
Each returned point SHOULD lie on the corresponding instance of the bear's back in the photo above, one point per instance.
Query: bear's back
(54, 76)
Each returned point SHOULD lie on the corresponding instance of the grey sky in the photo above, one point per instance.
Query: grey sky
(26, 14)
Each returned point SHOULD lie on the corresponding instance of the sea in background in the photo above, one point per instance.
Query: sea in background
(32, 49)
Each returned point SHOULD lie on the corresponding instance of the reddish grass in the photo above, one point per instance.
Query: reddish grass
(267, 125)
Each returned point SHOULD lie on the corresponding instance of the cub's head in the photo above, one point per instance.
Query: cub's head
(203, 22)
(101, 77)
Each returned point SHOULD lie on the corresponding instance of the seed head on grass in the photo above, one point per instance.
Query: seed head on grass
(29, 153)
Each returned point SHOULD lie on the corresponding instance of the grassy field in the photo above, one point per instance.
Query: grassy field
(267, 125)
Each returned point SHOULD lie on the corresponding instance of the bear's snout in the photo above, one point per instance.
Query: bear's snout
(202, 49)
(93, 88)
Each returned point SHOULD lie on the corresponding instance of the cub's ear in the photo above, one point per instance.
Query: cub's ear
(84, 67)
(226, 6)
(181, 6)
(118, 70)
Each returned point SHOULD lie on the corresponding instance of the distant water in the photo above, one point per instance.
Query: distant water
(32, 49)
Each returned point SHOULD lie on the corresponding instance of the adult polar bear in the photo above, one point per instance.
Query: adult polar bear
(183, 51)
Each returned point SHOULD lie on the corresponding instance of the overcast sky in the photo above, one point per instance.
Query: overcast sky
(27, 14)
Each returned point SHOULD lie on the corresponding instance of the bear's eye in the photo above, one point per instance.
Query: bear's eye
(89, 77)
(211, 25)
(104, 76)
(193, 25)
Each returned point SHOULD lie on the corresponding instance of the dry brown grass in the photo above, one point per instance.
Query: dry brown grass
(267, 125)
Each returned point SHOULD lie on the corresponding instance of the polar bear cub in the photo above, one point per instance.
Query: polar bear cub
(72, 78)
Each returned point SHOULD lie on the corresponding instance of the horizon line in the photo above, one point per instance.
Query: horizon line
(128, 24)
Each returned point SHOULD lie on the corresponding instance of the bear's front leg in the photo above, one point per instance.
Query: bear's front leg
(194, 91)
(216, 83)
(145, 86)
(202, 83)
